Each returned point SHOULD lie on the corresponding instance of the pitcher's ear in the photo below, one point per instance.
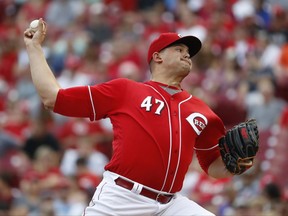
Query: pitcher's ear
(156, 57)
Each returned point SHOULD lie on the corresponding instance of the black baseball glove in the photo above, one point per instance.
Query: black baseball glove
(239, 146)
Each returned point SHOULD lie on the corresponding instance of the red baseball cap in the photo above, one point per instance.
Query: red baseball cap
(166, 39)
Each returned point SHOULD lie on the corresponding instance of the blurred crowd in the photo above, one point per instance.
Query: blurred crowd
(50, 164)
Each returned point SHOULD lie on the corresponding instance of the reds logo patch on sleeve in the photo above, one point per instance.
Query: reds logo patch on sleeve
(198, 122)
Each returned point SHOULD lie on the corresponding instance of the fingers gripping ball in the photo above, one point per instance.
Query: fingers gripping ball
(36, 31)
(239, 146)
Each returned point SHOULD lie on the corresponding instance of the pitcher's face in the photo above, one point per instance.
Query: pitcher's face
(177, 57)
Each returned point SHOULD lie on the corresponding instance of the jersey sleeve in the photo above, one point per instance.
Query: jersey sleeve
(94, 102)
(206, 146)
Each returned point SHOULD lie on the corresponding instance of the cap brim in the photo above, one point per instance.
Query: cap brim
(193, 43)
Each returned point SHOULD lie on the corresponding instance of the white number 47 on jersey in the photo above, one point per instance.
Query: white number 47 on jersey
(148, 102)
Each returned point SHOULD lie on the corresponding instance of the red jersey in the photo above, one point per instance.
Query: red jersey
(155, 133)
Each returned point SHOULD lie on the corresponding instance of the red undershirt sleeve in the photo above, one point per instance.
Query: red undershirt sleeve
(206, 147)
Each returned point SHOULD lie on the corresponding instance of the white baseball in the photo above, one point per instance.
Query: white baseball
(34, 24)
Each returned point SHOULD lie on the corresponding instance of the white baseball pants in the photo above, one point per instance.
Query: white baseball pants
(111, 199)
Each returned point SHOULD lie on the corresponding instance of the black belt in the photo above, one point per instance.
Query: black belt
(161, 198)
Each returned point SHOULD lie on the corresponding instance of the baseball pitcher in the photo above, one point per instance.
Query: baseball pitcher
(157, 128)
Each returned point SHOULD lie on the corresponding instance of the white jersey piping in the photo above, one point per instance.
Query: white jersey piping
(92, 104)
(180, 141)
(170, 137)
(200, 149)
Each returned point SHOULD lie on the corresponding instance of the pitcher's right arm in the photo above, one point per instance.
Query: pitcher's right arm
(42, 76)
